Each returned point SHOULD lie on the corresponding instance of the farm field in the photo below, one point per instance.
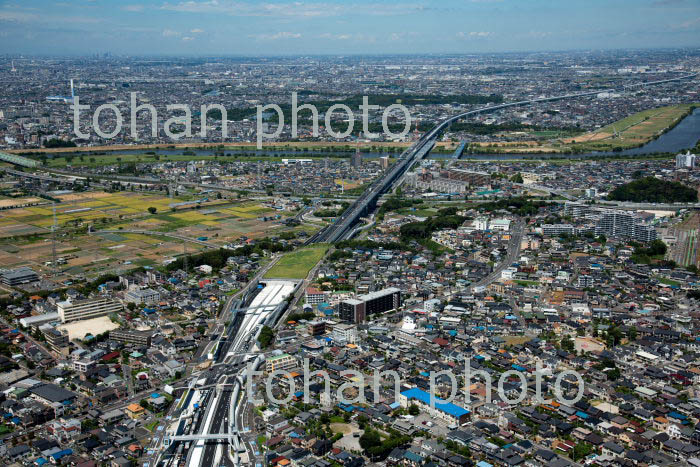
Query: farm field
(25, 233)
(297, 264)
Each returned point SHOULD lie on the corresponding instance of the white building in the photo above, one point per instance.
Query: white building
(344, 334)
(685, 161)
(85, 309)
(481, 223)
(502, 225)
(314, 296)
(142, 296)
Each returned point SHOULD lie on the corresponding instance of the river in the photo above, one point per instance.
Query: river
(683, 136)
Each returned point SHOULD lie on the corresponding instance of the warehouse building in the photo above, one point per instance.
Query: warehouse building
(447, 411)
(18, 276)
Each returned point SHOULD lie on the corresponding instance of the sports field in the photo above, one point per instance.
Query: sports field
(297, 264)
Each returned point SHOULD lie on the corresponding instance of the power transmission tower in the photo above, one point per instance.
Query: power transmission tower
(184, 249)
(54, 227)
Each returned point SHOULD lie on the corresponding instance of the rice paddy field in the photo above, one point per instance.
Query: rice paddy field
(25, 233)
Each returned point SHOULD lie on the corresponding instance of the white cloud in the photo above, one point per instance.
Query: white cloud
(187, 38)
(473, 34)
(276, 36)
(399, 36)
(196, 31)
(14, 15)
(539, 34)
(692, 23)
(359, 37)
(293, 9)
(170, 33)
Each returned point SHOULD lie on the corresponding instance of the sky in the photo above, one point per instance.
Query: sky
(278, 27)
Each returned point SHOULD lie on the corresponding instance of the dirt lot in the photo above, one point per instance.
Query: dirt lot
(348, 441)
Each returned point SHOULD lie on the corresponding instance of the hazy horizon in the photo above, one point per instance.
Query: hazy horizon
(284, 28)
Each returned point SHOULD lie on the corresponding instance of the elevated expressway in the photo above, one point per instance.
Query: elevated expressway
(342, 227)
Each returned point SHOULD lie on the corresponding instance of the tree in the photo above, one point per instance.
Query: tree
(580, 451)
(413, 410)
(567, 344)
(152, 210)
(517, 178)
(613, 374)
(266, 336)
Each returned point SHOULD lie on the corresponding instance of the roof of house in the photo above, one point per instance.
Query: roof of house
(447, 407)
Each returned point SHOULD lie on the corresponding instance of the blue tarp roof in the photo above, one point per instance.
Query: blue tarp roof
(582, 415)
(58, 455)
(347, 408)
(447, 407)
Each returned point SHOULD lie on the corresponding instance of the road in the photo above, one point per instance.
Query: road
(126, 374)
(513, 252)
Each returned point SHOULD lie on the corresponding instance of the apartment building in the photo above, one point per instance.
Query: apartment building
(281, 362)
(57, 340)
(356, 310)
(344, 334)
(131, 336)
(142, 296)
(314, 296)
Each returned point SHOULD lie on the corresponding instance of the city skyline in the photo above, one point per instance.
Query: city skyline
(219, 27)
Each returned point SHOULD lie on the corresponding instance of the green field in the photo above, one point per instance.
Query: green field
(633, 131)
(297, 264)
